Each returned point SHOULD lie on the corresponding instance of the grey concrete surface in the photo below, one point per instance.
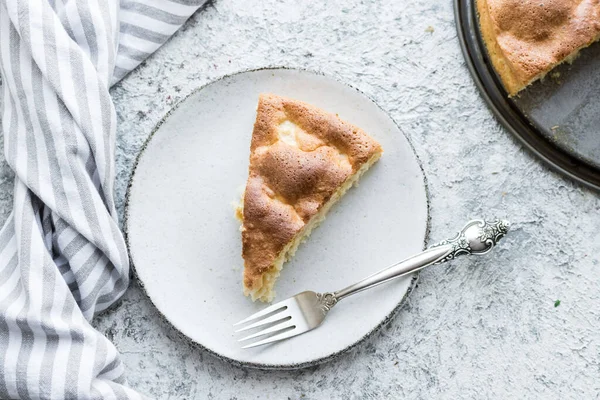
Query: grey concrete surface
(478, 328)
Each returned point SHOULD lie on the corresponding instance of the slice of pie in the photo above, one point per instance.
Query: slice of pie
(526, 39)
(302, 160)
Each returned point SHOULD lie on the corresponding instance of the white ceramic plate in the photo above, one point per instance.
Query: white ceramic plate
(185, 242)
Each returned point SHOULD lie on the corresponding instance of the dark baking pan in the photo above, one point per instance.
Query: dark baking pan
(558, 118)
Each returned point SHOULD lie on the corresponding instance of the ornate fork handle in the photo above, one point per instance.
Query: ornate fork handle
(477, 237)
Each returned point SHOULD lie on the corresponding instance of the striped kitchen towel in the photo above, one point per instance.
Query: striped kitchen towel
(62, 256)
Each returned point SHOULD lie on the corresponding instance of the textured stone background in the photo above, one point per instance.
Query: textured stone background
(478, 328)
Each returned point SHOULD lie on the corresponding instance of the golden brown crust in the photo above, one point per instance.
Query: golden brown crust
(299, 156)
(527, 38)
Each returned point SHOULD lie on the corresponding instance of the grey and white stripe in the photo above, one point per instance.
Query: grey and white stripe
(62, 256)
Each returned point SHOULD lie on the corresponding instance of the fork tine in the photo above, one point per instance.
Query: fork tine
(281, 336)
(273, 329)
(273, 318)
(264, 312)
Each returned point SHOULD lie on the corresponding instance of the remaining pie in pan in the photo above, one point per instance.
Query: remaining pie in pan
(525, 39)
(302, 161)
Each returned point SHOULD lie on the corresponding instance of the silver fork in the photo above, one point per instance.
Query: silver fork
(307, 310)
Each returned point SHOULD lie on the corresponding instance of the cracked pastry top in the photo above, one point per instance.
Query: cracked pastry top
(525, 39)
(302, 160)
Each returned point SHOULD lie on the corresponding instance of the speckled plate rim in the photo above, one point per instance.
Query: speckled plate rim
(229, 360)
(505, 111)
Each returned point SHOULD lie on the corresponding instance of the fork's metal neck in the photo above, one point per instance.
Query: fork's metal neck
(327, 301)
(407, 266)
